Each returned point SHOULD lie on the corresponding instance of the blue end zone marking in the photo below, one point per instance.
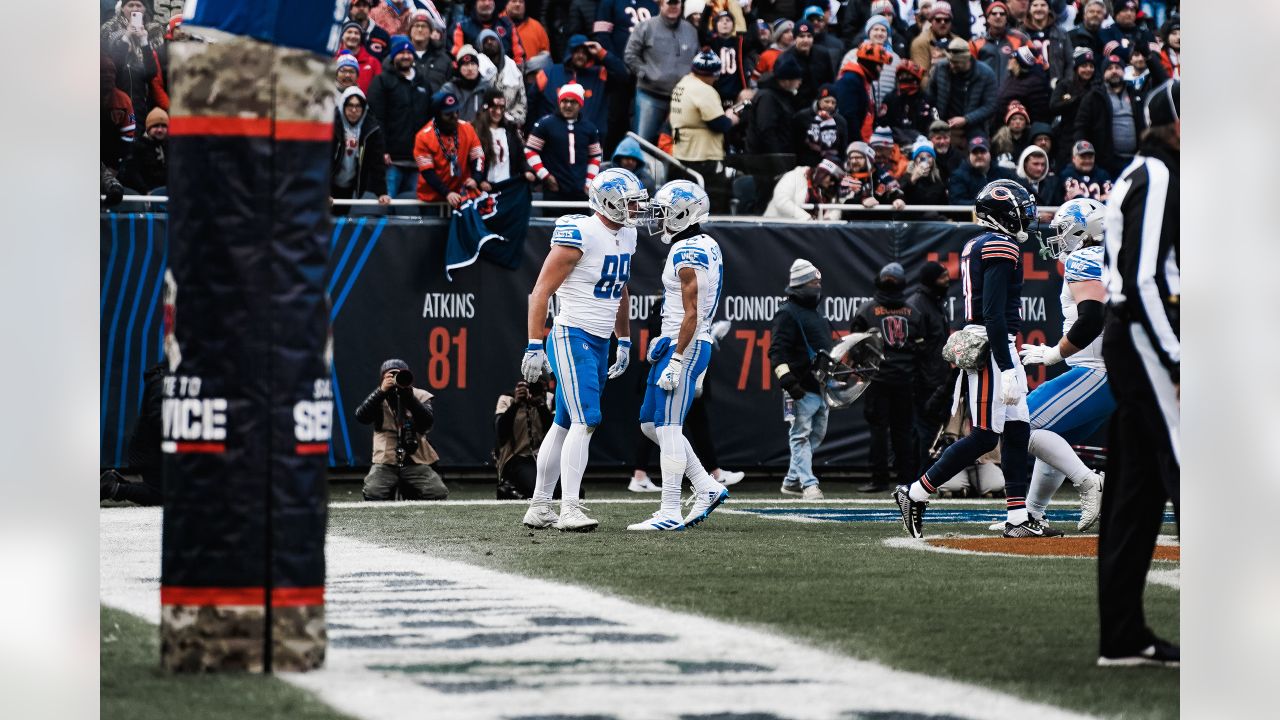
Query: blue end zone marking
(890, 514)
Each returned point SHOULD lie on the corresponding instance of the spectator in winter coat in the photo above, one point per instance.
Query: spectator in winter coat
(147, 166)
(735, 66)
(448, 154)
(1008, 142)
(1042, 137)
(1171, 47)
(923, 184)
(658, 54)
(1088, 34)
(782, 37)
(399, 99)
(133, 52)
(357, 154)
(1028, 84)
(376, 40)
(773, 108)
(1111, 118)
(532, 35)
(353, 43)
(506, 77)
(963, 91)
(924, 47)
(932, 379)
(819, 131)
(907, 113)
(970, 178)
(485, 16)
(1035, 175)
(629, 157)
(431, 56)
(504, 160)
(888, 156)
(588, 64)
(816, 18)
(867, 182)
(468, 84)
(806, 185)
(857, 92)
(566, 19)
(1065, 102)
(346, 73)
(1054, 49)
(563, 150)
(117, 122)
(1126, 29)
(816, 64)
(878, 31)
(999, 42)
(1082, 178)
(949, 158)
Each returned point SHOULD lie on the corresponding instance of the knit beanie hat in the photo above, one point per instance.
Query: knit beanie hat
(931, 271)
(802, 271)
(352, 24)
(1081, 56)
(157, 116)
(893, 271)
(392, 364)
(788, 68)
(488, 33)
(923, 146)
(1016, 108)
(881, 136)
(780, 28)
(573, 91)
(346, 59)
(399, 44)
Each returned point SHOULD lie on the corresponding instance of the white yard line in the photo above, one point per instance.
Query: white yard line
(412, 635)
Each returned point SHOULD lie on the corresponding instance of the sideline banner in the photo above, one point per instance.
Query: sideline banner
(463, 339)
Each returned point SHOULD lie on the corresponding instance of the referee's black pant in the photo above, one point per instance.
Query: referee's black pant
(1143, 460)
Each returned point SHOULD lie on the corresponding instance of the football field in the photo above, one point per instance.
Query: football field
(771, 609)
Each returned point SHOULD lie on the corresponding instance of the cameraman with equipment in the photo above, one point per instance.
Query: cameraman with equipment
(521, 422)
(402, 458)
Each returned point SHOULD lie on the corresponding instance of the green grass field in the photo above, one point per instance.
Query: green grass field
(1018, 625)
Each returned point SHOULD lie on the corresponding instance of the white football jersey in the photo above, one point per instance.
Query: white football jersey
(1083, 264)
(702, 254)
(588, 299)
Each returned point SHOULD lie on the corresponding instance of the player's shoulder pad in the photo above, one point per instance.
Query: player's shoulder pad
(567, 231)
(691, 255)
(996, 247)
(1084, 264)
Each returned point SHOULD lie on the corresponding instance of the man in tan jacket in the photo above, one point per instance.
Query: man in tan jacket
(925, 48)
(401, 416)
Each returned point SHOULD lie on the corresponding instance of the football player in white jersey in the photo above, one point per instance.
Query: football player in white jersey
(587, 270)
(1075, 404)
(692, 280)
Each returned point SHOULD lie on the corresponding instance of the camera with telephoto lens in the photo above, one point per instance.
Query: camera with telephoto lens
(404, 378)
(407, 438)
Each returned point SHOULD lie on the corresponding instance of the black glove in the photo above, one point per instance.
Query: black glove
(792, 386)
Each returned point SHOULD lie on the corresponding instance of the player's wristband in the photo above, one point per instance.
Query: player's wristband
(534, 344)
(677, 357)
(624, 341)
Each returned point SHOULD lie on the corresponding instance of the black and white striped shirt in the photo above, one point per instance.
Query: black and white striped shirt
(1142, 248)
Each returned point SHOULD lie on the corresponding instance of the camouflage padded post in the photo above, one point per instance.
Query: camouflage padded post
(247, 406)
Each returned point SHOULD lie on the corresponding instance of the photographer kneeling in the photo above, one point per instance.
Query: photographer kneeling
(522, 419)
(402, 457)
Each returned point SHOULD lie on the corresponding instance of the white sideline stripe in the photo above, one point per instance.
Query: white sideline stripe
(1168, 578)
(887, 502)
(548, 670)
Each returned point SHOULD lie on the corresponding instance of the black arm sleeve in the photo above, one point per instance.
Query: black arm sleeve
(859, 323)
(995, 283)
(369, 411)
(1088, 325)
(423, 418)
(435, 182)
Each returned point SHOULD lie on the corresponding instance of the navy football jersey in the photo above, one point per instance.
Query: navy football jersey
(980, 254)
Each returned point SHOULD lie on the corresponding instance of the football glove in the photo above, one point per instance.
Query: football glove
(621, 358)
(669, 378)
(1040, 355)
(534, 364)
(1012, 387)
(657, 346)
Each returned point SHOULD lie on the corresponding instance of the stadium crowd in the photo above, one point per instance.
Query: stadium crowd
(775, 104)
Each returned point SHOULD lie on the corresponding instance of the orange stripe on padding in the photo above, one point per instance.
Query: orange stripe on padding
(302, 130)
(218, 596)
(246, 127)
(251, 127)
(311, 448)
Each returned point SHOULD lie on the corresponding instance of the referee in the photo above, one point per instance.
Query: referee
(1141, 348)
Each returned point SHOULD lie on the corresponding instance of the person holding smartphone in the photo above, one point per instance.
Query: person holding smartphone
(131, 39)
(923, 183)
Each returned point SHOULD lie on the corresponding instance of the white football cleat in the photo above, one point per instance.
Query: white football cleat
(643, 484)
(1090, 501)
(813, 492)
(730, 477)
(573, 519)
(705, 503)
(659, 521)
(540, 515)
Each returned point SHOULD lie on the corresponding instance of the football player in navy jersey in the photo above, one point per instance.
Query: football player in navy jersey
(991, 272)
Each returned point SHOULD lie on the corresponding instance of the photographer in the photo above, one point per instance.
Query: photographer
(522, 419)
(402, 457)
